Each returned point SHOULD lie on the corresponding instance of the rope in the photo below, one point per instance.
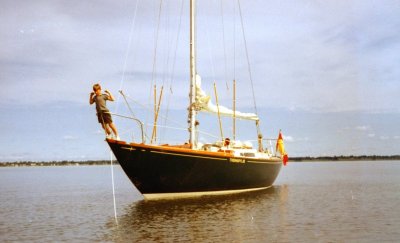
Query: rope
(113, 187)
(112, 172)
(117, 103)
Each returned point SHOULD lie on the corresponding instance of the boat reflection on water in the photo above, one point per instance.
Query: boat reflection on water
(258, 215)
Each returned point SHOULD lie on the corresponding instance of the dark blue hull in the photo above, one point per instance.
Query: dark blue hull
(166, 170)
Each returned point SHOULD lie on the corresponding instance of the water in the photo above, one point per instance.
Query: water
(310, 202)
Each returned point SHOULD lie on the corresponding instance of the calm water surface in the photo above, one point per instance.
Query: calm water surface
(310, 202)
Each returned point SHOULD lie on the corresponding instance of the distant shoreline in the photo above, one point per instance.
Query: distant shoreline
(56, 163)
(291, 159)
(344, 158)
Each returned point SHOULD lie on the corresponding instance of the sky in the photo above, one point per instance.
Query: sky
(327, 73)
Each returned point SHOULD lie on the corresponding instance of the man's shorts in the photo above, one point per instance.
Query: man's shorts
(104, 117)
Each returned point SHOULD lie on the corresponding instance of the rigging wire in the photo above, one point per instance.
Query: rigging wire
(173, 67)
(210, 52)
(181, 127)
(234, 42)
(166, 57)
(247, 57)
(155, 54)
(223, 42)
(149, 109)
(127, 53)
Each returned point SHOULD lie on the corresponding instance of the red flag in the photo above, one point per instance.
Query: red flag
(280, 147)
(285, 159)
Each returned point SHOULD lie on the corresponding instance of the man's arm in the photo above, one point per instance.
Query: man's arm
(110, 96)
(91, 100)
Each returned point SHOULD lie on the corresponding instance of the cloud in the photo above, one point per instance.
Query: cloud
(291, 139)
(340, 56)
(383, 137)
(19, 156)
(362, 128)
(333, 64)
(99, 132)
(70, 137)
(288, 138)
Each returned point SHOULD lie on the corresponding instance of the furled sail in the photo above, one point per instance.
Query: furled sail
(203, 103)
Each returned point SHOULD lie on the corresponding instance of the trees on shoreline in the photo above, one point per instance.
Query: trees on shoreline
(56, 163)
(346, 158)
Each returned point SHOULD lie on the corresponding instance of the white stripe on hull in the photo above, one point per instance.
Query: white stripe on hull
(155, 196)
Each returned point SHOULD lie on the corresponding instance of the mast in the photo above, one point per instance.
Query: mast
(192, 111)
(234, 110)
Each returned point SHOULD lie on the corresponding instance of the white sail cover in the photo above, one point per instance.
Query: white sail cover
(203, 103)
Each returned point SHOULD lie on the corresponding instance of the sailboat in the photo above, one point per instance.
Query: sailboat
(192, 168)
